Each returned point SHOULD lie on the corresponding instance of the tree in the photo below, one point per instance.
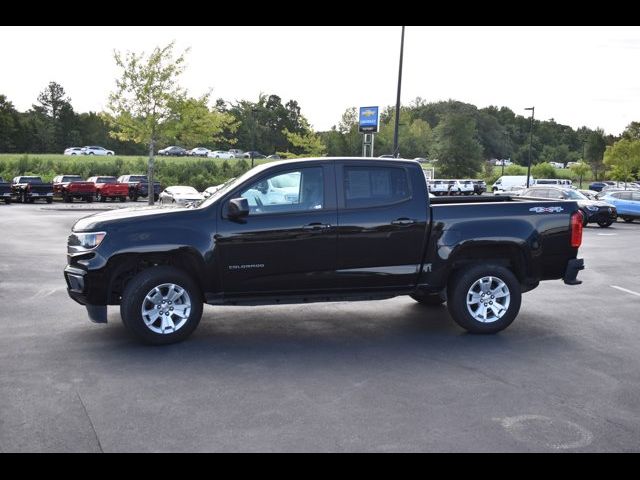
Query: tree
(8, 125)
(624, 158)
(456, 146)
(632, 132)
(196, 124)
(580, 169)
(543, 170)
(594, 148)
(146, 95)
(307, 144)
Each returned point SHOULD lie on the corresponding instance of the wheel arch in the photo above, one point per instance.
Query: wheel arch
(123, 267)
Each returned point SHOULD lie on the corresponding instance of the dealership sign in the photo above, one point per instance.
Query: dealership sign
(368, 119)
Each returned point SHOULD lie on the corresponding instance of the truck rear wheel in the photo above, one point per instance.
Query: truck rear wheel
(429, 299)
(161, 305)
(484, 298)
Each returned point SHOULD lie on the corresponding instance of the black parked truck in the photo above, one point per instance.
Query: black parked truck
(27, 189)
(139, 186)
(319, 230)
(5, 191)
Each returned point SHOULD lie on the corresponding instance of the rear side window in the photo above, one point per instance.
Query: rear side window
(375, 186)
(635, 196)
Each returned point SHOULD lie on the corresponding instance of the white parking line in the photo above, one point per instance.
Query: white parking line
(606, 234)
(625, 290)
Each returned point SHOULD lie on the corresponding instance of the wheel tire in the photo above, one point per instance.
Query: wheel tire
(49, 200)
(122, 199)
(585, 222)
(460, 286)
(100, 198)
(23, 197)
(134, 198)
(7, 201)
(134, 299)
(628, 219)
(605, 224)
(89, 199)
(429, 299)
(67, 198)
(156, 197)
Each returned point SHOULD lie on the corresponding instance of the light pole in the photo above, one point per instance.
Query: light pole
(396, 149)
(253, 137)
(533, 111)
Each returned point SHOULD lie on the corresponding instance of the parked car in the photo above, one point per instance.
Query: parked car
(30, 188)
(211, 190)
(220, 154)
(273, 157)
(255, 155)
(5, 191)
(479, 187)
(108, 188)
(561, 182)
(593, 211)
(173, 151)
(377, 237)
(556, 164)
(73, 151)
(627, 202)
(139, 186)
(68, 187)
(237, 153)
(597, 186)
(505, 162)
(180, 195)
(506, 183)
(590, 194)
(198, 152)
(95, 150)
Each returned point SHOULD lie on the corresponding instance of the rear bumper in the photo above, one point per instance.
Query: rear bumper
(571, 273)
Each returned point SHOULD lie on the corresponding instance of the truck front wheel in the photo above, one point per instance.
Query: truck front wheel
(484, 298)
(429, 299)
(161, 305)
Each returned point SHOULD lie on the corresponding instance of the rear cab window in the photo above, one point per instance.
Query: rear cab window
(372, 186)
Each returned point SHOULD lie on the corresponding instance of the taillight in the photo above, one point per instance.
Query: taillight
(576, 229)
(28, 189)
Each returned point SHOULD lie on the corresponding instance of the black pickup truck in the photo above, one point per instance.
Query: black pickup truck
(29, 188)
(5, 191)
(317, 230)
(139, 186)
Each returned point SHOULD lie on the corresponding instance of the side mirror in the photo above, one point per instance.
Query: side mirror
(238, 208)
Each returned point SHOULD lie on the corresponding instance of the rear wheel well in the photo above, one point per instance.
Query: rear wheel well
(123, 268)
(508, 256)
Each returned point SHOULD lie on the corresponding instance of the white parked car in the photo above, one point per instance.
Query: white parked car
(220, 154)
(73, 151)
(94, 150)
(236, 153)
(507, 183)
(180, 195)
(275, 190)
(198, 152)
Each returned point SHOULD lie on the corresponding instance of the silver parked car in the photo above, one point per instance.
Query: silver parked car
(180, 196)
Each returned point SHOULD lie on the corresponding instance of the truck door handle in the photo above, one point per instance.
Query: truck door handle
(403, 221)
(317, 226)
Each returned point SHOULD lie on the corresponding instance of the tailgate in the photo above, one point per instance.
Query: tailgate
(82, 187)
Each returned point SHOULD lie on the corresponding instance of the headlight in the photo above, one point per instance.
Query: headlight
(88, 240)
(591, 208)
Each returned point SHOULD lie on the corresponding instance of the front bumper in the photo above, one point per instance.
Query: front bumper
(604, 215)
(77, 287)
(571, 273)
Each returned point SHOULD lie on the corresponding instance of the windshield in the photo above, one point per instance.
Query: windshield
(573, 195)
(72, 178)
(106, 180)
(184, 190)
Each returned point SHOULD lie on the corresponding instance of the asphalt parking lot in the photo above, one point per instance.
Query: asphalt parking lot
(367, 376)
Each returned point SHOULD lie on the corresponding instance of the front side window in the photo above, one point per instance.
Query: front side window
(294, 191)
(375, 186)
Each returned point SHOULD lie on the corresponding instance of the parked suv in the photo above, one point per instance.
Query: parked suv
(593, 211)
(94, 150)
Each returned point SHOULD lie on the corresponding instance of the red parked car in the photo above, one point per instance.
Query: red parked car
(109, 188)
(69, 187)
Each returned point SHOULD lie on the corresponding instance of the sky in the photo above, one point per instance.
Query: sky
(576, 75)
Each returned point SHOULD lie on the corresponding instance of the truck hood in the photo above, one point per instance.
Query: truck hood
(114, 217)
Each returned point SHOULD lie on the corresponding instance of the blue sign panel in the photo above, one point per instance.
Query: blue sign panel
(368, 119)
